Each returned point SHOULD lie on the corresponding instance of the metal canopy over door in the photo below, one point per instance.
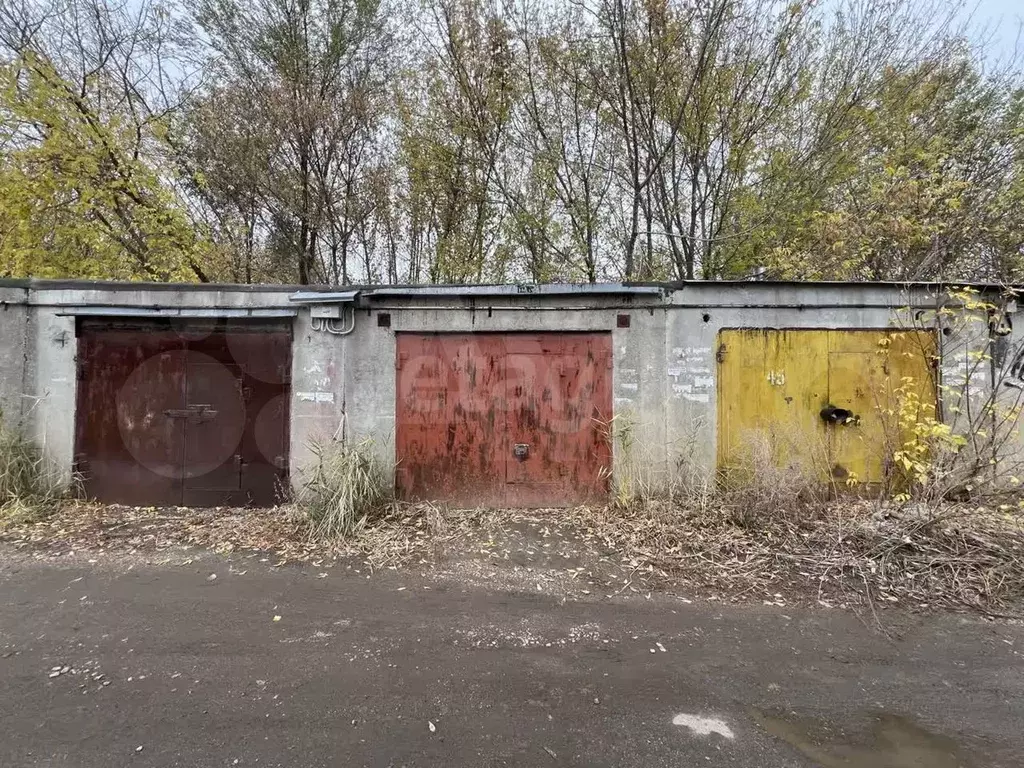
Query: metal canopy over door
(503, 419)
(191, 413)
(827, 394)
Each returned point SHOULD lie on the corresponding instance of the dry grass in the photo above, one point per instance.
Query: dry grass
(964, 558)
(28, 485)
(775, 474)
(843, 553)
(770, 536)
(346, 488)
(398, 535)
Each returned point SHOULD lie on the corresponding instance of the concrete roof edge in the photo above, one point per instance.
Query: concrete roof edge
(516, 290)
(511, 289)
(906, 284)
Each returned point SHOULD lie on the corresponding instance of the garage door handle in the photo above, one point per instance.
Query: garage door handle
(203, 413)
(830, 414)
(521, 451)
(197, 413)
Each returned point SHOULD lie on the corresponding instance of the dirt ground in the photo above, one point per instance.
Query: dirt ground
(850, 555)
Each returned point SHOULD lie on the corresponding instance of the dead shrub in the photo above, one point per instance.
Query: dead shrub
(347, 488)
(774, 475)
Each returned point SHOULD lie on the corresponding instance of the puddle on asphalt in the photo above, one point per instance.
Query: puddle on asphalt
(894, 742)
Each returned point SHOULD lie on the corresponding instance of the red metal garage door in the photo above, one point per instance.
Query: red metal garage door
(503, 419)
(195, 415)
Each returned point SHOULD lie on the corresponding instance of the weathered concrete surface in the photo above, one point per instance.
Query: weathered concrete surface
(15, 333)
(53, 398)
(398, 670)
(664, 373)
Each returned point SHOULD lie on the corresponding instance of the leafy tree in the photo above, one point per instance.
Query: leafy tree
(929, 187)
(453, 142)
(473, 140)
(562, 135)
(81, 188)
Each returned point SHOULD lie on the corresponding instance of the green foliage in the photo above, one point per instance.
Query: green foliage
(928, 185)
(75, 200)
(462, 141)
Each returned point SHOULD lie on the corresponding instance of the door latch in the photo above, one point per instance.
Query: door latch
(203, 413)
(521, 451)
(830, 414)
(197, 414)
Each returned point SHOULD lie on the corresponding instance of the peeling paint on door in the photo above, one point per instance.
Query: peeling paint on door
(779, 383)
(503, 419)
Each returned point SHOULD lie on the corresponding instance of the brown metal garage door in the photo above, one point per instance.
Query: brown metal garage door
(183, 414)
(503, 419)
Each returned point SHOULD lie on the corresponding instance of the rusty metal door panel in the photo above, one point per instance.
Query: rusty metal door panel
(236, 434)
(127, 449)
(214, 426)
(213, 400)
(558, 417)
(449, 418)
(493, 419)
(265, 361)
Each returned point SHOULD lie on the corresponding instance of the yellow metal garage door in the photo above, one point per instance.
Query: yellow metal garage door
(773, 385)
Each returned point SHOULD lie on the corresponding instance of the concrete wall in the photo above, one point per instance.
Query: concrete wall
(52, 409)
(349, 384)
(700, 311)
(15, 338)
(664, 385)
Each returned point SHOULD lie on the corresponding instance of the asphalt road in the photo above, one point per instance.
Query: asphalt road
(124, 663)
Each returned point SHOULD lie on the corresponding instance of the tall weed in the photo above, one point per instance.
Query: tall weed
(347, 487)
(29, 485)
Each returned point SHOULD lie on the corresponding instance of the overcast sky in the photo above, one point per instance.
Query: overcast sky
(1002, 18)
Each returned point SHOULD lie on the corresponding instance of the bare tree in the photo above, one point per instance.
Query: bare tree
(317, 71)
(563, 137)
